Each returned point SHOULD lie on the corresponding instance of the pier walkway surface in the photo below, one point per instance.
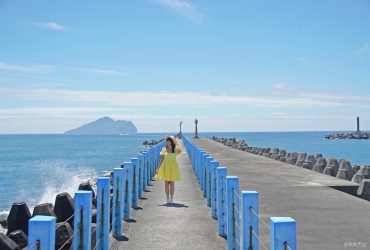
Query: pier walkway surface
(327, 219)
(186, 224)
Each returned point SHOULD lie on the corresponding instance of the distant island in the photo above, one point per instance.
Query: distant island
(105, 125)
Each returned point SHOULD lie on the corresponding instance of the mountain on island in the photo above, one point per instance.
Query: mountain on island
(105, 125)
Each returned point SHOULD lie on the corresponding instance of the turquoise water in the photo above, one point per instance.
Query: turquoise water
(34, 168)
(356, 151)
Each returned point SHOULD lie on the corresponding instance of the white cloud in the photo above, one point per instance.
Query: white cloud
(182, 7)
(27, 68)
(279, 114)
(98, 70)
(279, 86)
(51, 68)
(363, 49)
(50, 25)
(152, 99)
(58, 112)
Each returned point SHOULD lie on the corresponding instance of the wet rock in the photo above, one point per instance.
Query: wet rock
(365, 170)
(62, 233)
(93, 215)
(44, 209)
(86, 186)
(356, 168)
(341, 161)
(328, 171)
(317, 156)
(301, 158)
(334, 164)
(275, 151)
(318, 168)
(4, 224)
(18, 217)
(6, 243)
(346, 165)
(319, 165)
(364, 190)
(64, 208)
(19, 237)
(282, 153)
(358, 178)
(310, 160)
(291, 160)
(343, 174)
(306, 165)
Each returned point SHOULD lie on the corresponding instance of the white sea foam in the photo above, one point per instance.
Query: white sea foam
(62, 179)
(3, 216)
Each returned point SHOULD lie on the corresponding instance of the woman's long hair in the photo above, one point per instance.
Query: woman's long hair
(172, 144)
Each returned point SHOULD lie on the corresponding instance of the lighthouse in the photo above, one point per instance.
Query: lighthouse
(358, 125)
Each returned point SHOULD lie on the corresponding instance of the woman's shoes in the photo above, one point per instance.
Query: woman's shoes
(169, 201)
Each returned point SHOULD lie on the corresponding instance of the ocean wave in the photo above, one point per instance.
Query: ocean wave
(3, 216)
(68, 183)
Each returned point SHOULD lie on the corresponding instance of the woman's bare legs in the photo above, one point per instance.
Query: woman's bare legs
(172, 188)
(166, 189)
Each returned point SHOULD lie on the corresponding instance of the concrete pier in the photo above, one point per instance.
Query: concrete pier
(186, 224)
(326, 218)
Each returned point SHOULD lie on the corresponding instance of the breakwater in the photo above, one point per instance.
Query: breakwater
(341, 168)
(85, 220)
(355, 135)
(237, 210)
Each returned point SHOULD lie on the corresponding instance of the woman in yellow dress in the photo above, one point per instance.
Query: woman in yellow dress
(168, 167)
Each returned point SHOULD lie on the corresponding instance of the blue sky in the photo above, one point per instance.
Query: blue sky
(241, 65)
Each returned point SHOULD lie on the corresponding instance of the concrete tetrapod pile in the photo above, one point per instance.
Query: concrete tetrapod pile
(338, 168)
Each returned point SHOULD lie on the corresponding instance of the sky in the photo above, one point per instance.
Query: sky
(236, 65)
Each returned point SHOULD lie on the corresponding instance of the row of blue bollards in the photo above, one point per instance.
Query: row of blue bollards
(237, 214)
(129, 183)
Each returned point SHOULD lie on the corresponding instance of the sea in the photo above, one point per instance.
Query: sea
(35, 168)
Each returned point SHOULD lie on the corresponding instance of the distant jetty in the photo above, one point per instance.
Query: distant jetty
(350, 135)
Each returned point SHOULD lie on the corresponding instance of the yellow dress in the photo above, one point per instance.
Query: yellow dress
(169, 169)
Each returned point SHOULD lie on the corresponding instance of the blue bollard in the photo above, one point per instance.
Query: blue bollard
(102, 215)
(214, 165)
(232, 214)
(221, 173)
(208, 180)
(195, 168)
(144, 163)
(150, 152)
(140, 174)
(117, 212)
(41, 232)
(249, 220)
(200, 158)
(82, 220)
(203, 173)
(282, 233)
(147, 166)
(135, 184)
(127, 166)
